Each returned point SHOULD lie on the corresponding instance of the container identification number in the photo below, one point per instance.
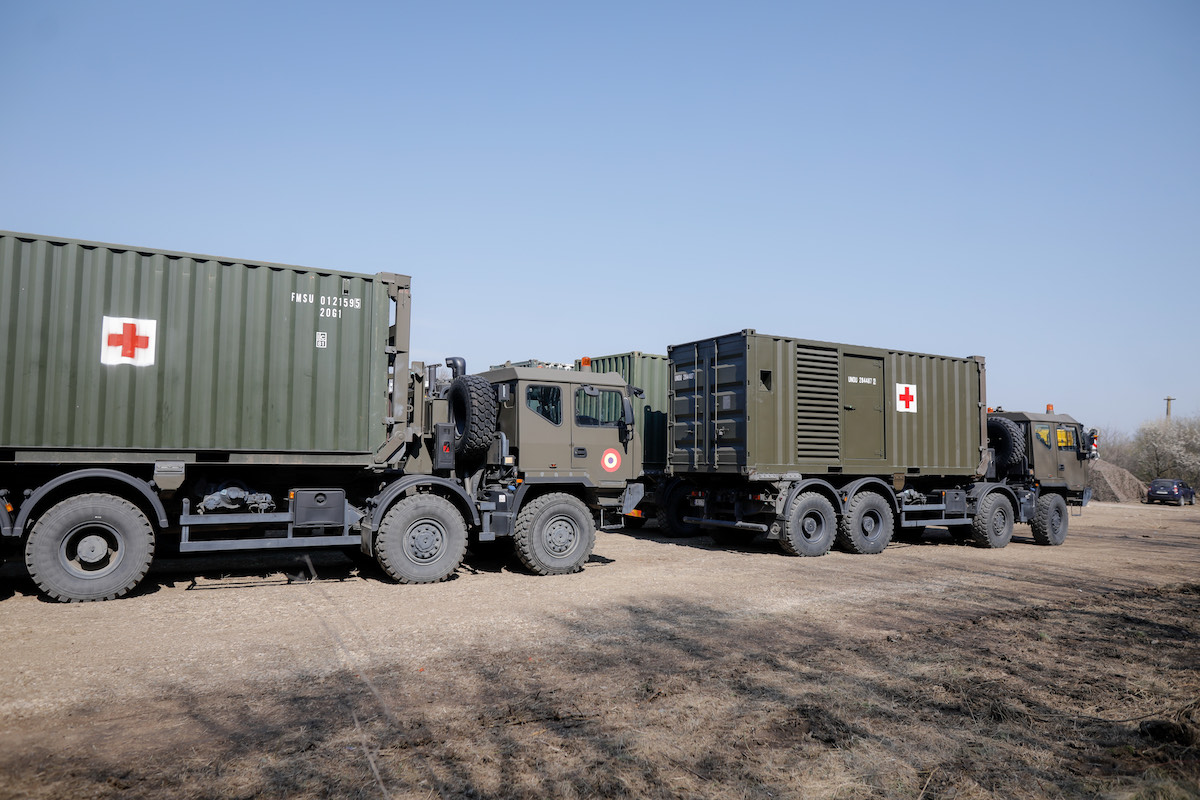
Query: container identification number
(332, 306)
(853, 379)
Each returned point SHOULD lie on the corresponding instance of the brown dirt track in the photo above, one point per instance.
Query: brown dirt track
(667, 668)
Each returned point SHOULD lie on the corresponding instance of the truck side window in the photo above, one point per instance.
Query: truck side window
(545, 401)
(603, 411)
(1042, 432)
(1066, 439)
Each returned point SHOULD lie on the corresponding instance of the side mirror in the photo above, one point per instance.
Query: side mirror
(627, 420)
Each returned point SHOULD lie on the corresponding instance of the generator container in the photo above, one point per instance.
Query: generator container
(139, 354)
(652, 374)
(760, 406)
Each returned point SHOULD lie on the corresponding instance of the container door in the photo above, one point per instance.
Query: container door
(863, 407)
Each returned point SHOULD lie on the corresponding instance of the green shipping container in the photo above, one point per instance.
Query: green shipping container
(752, 404)
(114, 352)
(651, 374)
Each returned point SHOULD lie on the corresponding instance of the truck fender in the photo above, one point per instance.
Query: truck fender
(383, 501)
(875, 485)
(824, 488)
(980, 490)
(519, 497)
(138, 484)
(6, 523)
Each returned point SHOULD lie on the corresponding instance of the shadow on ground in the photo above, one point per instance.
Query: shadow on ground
(688, 700)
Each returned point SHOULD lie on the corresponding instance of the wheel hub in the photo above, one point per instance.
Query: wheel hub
(561, 536)
(92, 549)
(425, 540)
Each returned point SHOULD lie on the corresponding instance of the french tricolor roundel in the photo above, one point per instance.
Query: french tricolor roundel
(611, 460)
(124, 340)
(906, 398)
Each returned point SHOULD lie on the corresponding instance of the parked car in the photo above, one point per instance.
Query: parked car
(1169, 490)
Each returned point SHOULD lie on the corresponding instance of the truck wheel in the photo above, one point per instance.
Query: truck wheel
(867, 525)
(554, 534)
(1050, 520)
(473, 410)
(90, 547)
(810, 527)
(422, 539)
(1007, 441)
(672, 509)
(993, 524)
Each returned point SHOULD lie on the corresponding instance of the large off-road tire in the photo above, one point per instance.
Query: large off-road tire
(1006, 439)
(473, 410)
(90, 547)
(1050, 519)
(810, 526)
(422, 539)
(993, 524)
(866, 527)
(554, 534)
(672, 508)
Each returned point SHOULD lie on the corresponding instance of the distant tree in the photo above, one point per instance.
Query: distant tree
(1118, 448)
(1171, 449)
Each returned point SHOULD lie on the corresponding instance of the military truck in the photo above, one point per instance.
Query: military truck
(811, 443)
(155, 401)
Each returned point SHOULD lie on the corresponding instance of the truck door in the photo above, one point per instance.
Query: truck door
(1069, 439)
(596, 437)
(544, 438)
(1044, 458)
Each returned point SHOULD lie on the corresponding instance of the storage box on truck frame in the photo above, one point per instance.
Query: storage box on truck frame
(112, 352)
(758, 405)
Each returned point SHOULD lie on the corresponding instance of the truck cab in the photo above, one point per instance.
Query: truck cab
(568, 427)
(1054, 452)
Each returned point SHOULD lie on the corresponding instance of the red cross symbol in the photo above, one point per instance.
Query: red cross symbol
(128, 340)
(908, 397)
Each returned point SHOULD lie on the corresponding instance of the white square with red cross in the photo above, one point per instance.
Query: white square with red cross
(906, 398)
(125, 340)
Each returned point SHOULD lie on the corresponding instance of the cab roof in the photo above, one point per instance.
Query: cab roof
(551, 375)
(1027, 416)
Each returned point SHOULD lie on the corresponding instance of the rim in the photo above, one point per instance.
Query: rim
(999, 522)
(91, 550)
(812, 526)
(561, 535)
(872, 525)
(425, 540)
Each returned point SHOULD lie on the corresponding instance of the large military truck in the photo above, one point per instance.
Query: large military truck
(157, 401)
(811, 443)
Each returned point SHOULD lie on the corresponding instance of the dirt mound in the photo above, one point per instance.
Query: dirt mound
(1113, 484)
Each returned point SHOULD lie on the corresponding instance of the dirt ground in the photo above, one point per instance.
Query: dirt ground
(667, 668)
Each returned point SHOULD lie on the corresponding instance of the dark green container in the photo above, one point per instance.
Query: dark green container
(752, 404)
(112, 350)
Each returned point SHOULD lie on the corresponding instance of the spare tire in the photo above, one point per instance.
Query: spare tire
(1008, 442)
(473, 410)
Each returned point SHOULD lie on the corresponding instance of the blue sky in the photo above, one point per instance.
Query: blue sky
(1017, 180)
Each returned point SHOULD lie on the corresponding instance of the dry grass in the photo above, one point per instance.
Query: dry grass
(685, 700)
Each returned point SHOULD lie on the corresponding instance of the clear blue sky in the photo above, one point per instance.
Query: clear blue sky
(1019, 180)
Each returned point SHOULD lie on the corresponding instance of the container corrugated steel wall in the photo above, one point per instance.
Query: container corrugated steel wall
(247, 357)
(747, 403)
(652, 374)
